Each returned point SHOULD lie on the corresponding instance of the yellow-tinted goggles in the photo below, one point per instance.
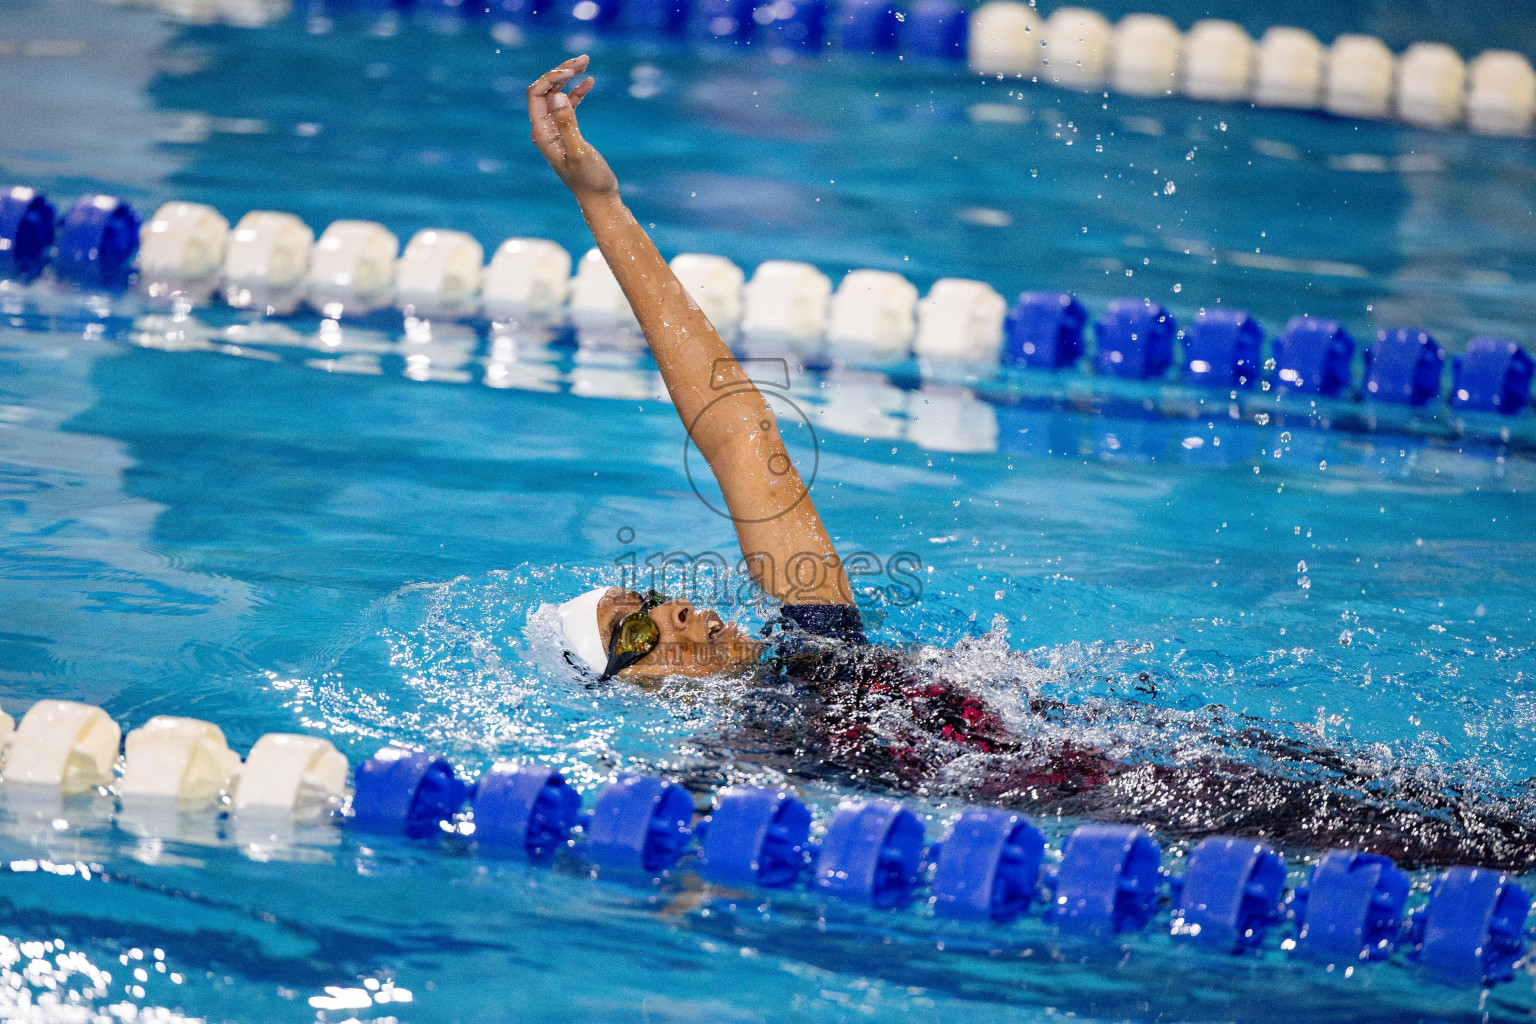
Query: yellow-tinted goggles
(634, 636)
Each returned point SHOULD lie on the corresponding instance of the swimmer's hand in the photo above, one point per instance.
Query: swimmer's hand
(552, 111)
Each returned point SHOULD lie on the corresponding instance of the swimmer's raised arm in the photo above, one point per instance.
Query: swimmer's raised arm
(789, 552)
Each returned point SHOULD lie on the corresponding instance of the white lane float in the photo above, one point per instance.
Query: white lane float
(1431, 85)
(267, 261)
(177, 758)
(1361, 75)
(596, 298)
(181, 250)
(1218, 60)
(599, 311)
(287, 773)
(872, 315)
(1289, 69)
(960, 321)
(439, 274)
(715, 284)
(352, 268)
(253, 13)
(1005, 39)
(1501, 93)
(784, 307)
(1147, 52)
(63, 745)
(1077, 48)
(528, 281)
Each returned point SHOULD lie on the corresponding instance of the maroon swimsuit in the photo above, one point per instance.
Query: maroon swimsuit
(828, 704)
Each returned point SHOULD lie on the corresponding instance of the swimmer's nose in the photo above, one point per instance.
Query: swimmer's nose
(682, 611)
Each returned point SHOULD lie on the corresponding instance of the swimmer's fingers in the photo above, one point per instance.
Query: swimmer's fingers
(552, 112)
(565, 123)
(546, 134)
(546, 137)
(556, 78)
(539, 92)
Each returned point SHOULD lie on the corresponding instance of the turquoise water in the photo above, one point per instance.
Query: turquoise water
(205, 522)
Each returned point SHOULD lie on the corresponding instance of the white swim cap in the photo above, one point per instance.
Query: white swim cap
(579, 627)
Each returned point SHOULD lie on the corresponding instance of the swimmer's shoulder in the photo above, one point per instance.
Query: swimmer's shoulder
(827, 644)
(839, 622)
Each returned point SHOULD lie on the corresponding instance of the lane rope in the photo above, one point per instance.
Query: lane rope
(1428, 85)
(990, 866)
(271, 263)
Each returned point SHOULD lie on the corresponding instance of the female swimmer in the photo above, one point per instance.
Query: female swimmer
(827, 702)
(616, 632)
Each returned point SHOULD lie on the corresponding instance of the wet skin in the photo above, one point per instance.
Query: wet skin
(694, 642)
(725, 415)
(863, 713)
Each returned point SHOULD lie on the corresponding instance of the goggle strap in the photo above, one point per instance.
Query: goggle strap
(619, 660)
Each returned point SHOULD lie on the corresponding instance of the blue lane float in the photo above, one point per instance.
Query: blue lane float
(1492, 375)
(26, 233)
(669, 17)
(1044, 330)
(1134, 338)
(987, 867)
(1472, 930)
(1351, 909)
(937, 30)
(756, 836)
(728, 21)
(1404, 367)
(405, 792)
(793, 23)
(871, 853)
(1222, 348)
(97, 240)
(870, 26)
(639, 823)
(1108, 880)
(525, 807)
(1230, 894)
(1314, 356)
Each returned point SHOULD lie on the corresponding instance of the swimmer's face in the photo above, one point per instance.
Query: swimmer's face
(694, 642)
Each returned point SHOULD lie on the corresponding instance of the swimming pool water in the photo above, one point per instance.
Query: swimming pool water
(230, 532)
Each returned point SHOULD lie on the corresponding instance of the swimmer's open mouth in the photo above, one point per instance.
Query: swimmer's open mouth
(722, 632)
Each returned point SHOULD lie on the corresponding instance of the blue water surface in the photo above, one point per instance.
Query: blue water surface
(286, 527)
